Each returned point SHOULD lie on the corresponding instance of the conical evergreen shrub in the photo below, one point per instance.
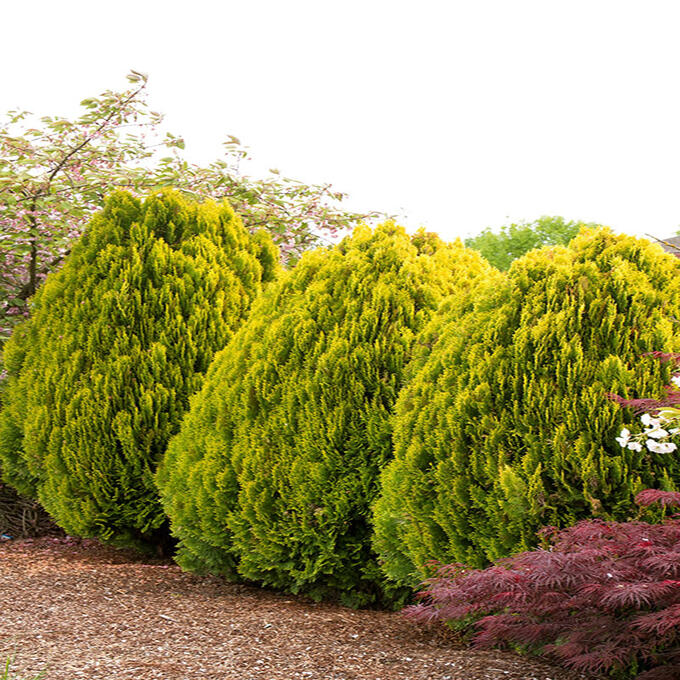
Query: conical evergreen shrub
(272, 474)
(118, 339)
(506, 425)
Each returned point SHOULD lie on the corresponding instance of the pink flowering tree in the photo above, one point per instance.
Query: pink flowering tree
(55, 172)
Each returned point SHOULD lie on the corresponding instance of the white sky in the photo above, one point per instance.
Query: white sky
(457, 114)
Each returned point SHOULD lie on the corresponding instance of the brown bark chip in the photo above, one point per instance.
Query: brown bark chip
(78, 609)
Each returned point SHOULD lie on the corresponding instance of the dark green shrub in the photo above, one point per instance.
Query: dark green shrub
(273, 472)
(506, 424)
(118, 339)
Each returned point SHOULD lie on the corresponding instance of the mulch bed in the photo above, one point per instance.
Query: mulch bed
(82, 610)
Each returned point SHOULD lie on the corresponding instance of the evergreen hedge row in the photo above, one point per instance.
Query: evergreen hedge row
(389, 401)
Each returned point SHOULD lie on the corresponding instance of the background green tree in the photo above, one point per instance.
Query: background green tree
(272, 474)
(506, 426)
(101, 373)
(513, 240)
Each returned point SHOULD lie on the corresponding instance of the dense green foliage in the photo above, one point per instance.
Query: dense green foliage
(514, 240)
(118, 339)
(272, 474)
(506, 425)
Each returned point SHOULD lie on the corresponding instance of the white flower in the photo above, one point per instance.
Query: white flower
(676, 380)
(648, 421)
(624, 438)
(675, 430)
(654, 446)
(660, 447)
(658, 433)
(635, 446)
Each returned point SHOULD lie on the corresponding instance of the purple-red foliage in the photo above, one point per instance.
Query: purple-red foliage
(603, 597)
(664, 356)
(656, 497)
(670, 399)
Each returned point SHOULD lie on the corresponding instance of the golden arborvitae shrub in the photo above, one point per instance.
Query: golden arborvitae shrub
(118, 339)
(506, 424)
(273, 472)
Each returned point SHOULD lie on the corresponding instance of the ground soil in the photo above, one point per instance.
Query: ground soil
(81, 610)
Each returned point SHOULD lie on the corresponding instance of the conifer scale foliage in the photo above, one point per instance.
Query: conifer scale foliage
(272, 474)
(506, 424)
(100, 375)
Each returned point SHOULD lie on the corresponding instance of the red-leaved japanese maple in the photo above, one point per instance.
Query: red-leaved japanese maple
(600, 597)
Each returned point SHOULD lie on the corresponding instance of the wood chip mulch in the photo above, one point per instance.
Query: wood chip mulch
(77, 609)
